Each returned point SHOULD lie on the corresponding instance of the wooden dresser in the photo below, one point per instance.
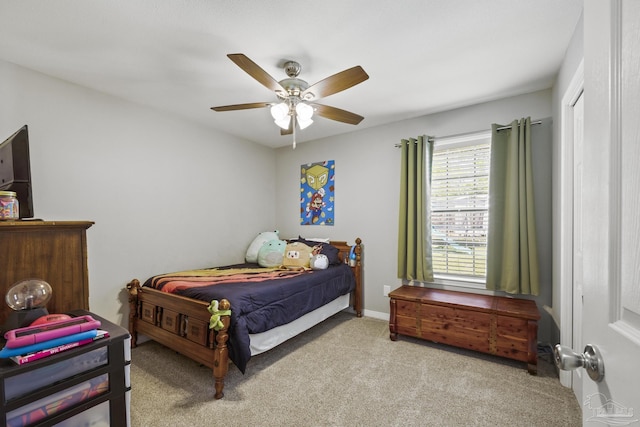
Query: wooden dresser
(54, 251)
(501, 326)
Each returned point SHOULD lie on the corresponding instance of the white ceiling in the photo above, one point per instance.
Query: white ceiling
(422, 56)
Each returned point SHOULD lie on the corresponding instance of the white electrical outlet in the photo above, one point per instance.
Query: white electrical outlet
(385, 290)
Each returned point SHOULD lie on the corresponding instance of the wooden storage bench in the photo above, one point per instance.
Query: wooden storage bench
(501, 326)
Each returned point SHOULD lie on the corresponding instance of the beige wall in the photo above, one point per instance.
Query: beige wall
(165, 194)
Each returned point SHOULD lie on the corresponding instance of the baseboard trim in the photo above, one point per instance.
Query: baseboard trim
(376, 314)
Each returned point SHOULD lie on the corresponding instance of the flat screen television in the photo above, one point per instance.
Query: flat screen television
(15, 170)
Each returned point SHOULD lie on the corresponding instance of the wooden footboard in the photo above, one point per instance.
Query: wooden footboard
(182, 324)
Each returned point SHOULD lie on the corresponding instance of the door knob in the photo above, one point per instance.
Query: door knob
(591, 360)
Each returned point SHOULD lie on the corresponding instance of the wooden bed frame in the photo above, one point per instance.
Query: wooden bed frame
(182, 324)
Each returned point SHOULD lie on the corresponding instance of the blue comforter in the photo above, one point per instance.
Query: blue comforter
(259, 306)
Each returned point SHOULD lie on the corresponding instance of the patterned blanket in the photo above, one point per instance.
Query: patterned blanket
(179, 281)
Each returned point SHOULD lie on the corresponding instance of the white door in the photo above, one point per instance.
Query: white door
(610, 212)
(578, 233)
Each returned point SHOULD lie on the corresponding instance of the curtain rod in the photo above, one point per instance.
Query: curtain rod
(533, 122)
(433, 138)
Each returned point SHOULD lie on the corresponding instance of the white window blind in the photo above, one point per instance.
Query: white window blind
(459, 207)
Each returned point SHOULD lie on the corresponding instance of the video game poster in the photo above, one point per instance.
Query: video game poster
(317, 187)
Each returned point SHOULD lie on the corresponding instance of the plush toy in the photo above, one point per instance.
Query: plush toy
(254, 247)
(319, 262)
(352, 256)
(271, 253)
(297, 256)
(215, 323)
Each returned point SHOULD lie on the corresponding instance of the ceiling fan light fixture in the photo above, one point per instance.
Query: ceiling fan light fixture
(283, 123)
(304, 111)
(280, 114)
(303, 114)
(304, 123)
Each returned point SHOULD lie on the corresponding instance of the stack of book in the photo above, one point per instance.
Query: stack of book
(32, 343)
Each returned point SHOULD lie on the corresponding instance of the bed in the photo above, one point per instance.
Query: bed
(266, 308)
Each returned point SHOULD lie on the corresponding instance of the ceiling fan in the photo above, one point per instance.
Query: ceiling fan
(296, 98)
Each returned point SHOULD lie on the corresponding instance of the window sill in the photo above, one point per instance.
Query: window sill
(457, 283)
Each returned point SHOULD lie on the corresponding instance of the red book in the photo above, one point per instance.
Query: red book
(31, 357)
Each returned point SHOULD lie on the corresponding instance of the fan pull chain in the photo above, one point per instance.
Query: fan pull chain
(293, 118)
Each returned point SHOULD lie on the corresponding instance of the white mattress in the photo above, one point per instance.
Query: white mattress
(269, 339)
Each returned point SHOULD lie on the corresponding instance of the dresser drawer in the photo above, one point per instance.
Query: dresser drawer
(30, 381)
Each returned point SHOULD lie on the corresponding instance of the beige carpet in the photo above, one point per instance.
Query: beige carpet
(346, 372)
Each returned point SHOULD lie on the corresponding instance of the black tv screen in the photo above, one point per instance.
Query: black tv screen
(15, 170)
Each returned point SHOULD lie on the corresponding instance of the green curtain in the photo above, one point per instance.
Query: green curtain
(414, 225)
(512, 255)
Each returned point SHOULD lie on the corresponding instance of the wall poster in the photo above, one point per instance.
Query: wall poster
(317, 186)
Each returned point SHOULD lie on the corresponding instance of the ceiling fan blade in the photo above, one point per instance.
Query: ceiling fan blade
(336, 83)
(257, 73)
(242, 106)
(337, 114)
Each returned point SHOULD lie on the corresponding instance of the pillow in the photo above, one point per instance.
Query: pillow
(254, 247)
(271, 253)
(327, 249)
(297, 256)
(317, 239)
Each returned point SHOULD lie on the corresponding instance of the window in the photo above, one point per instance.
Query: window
(460, 207)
